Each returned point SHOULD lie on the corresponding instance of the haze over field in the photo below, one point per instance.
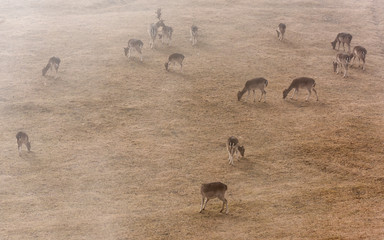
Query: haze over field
(120, 147)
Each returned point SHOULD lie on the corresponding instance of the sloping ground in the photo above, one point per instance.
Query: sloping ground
(120, 148)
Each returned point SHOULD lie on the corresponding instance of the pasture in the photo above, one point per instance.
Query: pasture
(121, 147)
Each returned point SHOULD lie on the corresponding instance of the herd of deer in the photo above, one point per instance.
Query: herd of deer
(163, 32)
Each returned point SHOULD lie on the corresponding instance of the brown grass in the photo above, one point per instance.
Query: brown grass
(120, 148)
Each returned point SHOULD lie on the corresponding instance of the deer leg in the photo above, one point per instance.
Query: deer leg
(265, 95)
(202, 203)
(225, 202)
(254, 96)
(19, 148)
(205, 203)
(309, 94)
(314, 90)
(293, 94)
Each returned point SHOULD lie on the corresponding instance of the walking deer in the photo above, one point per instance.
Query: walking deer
(302, 82)
(134, 44)
(252, 85)
(342, 61)
(175, 58)
(22, 138)
(359, 52)
(342, 38)
(194, 34)
(233, 147)
(53, 62)
(211, 191)
(280, 31)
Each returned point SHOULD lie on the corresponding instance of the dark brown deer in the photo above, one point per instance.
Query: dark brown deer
(359, 52)
(233, 147)
(211, 191)
(158, 13)
(53, 62)
(342, 61)
(134, 44)
(175, 58)
(342, 38)
(153, 30)
(22, 138)
(302, 82)
(280, 31)
(252, 85)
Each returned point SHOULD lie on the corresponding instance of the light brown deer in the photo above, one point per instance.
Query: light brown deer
(342, 61)
(302, 82)
(233, 147)
(211, 191)
(281, 31)
(22, 138)
(252, 85)
(342, 38)
(175, 58)
(134, 44)
(359, 52)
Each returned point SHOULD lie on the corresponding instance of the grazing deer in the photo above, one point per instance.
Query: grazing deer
(134, 44)
(22, 138)
(253, 84)
(53, 62)
(233, 148)
(158, 13)
(153, 30)
(342, 38)
(280, 31)
(194, 34)
(359, 52)
(175, 58)
(302, 82)
(342, 61)
(211, 191)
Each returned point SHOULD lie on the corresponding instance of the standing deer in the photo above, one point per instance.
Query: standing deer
(302, 82)
(53, 62)
(342, 61)
(175, 58)
(158, 13)
(233, 147)
(166, 33)
(280, 31)
(22, 138)
(194, 34)
(252, 85)
(211, 191)
(342, 38)
(153, 30)
(359, 52)
(134, 44)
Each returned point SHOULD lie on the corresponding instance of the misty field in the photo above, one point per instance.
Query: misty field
(120, 147)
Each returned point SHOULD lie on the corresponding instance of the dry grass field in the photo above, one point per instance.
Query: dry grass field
(120, 147)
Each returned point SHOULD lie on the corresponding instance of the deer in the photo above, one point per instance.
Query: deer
(194, 34)
(158, 13)
(22, 138)
(134, 44)
(342, 38)
(211, 191)
(280, 31)
(342, 61)
(153, 30)
(359, 52)
(174, 58)
(53, 62)
(166, 32)
(233, 147)
(302, 82)
(252, 85)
